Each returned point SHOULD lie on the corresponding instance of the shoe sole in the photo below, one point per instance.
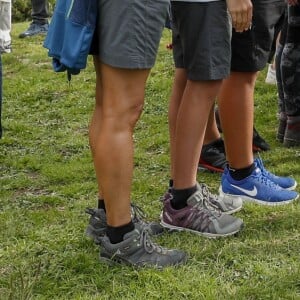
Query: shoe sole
(292, 188)
(258, 149)
(204, 234)
(262, 202)
(206, 167)
(116, 261)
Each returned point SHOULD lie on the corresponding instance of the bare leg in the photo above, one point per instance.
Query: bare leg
(197, 101)
(175, 100)
(212, 133)
(236, 114)
(118, 106)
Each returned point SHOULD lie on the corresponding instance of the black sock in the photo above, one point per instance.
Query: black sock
(170, 185)
(101, 204)
(180, 197)
(239, 174)
(116, 234)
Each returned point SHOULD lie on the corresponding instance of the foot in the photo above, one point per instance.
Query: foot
(213, 156)
(226, 204)
(139, 251)
(256, 188)
(97, 222)
(200, 217)
(287, 183)
(292, 132)
(35, 29)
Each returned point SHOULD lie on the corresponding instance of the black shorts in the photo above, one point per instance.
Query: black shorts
(201, 39)
(251, 49)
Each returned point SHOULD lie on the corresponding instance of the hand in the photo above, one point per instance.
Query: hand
(241, 14)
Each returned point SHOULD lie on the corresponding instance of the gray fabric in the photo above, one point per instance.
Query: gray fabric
(138, 250)
(129, 32)
(201, 39)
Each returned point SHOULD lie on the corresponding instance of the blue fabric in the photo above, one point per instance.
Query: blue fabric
(70, 34)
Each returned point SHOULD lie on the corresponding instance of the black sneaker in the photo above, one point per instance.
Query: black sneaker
(259, 144)
(138, 250)
(213, 156)
(34, 29)
(97, 222)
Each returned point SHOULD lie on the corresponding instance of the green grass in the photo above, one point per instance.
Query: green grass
(47, 180)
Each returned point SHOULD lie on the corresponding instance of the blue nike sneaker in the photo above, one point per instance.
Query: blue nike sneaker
(287, 183)
(256, 188)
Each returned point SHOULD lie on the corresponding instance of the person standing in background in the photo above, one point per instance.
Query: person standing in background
(40, 15)
(5, 40)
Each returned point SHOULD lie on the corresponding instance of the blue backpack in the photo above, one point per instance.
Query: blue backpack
(70, 34)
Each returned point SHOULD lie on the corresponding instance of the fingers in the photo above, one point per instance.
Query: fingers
(241, 15)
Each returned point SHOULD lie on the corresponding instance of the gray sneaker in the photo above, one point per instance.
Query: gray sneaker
(225, 203)
(97, 222)
(200, 217)
(138, 250)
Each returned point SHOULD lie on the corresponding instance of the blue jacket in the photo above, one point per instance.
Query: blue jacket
(70, 34)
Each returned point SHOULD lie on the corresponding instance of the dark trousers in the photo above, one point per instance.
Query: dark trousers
(40, 11)
(288, 64)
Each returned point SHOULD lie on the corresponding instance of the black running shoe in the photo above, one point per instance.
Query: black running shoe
(259, 144)
(213, 156)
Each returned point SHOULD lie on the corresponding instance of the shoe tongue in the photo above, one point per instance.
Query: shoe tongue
(195, 198)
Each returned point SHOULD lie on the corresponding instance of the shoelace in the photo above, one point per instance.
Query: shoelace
(138, 213)
(207, 199)
(149, 246)
(266, 181)
(203, 213)
(200, 218)
(263, 169)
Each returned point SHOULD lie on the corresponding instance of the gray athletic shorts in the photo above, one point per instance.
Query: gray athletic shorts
(201, 39)
(129, 32)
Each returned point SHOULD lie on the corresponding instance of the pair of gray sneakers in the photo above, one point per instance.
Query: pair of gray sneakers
(136, 249)
(205, 214)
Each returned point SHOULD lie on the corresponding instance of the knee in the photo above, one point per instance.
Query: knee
(133, 114)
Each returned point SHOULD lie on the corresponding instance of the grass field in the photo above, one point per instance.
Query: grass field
(47, 180)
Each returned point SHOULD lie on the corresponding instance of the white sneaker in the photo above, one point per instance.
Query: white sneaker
(271, 75)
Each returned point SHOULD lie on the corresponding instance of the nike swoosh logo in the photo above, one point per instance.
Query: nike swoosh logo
(251, 193)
